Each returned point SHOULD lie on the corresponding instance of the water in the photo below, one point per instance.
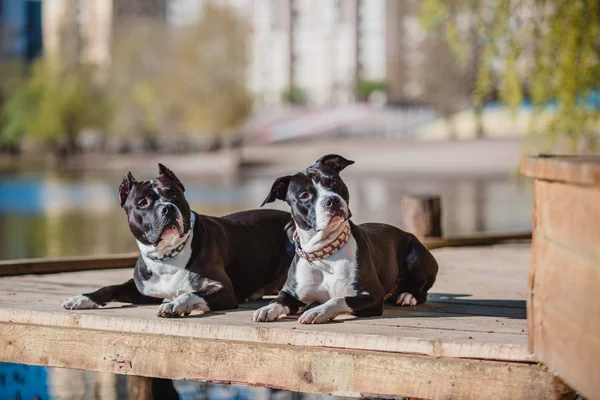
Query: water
(52, 215)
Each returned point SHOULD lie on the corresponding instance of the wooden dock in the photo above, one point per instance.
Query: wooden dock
(469, 341)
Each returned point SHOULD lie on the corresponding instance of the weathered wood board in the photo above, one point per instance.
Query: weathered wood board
(469, 341)
(564, 302)
(339, 372)
(66, 264)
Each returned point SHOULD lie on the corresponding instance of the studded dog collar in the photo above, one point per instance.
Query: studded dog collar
(171, 254)
(326, 251)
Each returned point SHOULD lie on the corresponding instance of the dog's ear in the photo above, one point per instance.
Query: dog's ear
(278, 190)
(162, 170)
(125, 187)
(334, 161)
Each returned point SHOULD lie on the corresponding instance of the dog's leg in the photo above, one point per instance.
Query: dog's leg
(212, 296)
(420, 270)
(406, 299)
(363, 305)
(283, 304)
(124, 293)
(366, 305)
(182, 306)
(326, 311)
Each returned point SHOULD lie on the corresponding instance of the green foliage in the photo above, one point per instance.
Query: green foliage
(53, 107)
(161, 80)
(12, 74)
(365, 87)
(547, 49)
(294, 95)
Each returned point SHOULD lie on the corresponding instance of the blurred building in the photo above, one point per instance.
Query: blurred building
(404, 37)
(318, 50)
(314, 52)
(91, 24)
(20, 30)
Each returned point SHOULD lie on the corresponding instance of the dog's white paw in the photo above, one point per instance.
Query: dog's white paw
(173, 309)
(79, 302)
(269, 313)
(316, 315)
(406, 299)
(182, 306)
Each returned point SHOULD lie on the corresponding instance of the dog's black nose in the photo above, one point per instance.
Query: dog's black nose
(332, 201)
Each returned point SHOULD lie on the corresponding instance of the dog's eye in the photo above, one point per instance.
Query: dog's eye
(142, 203)
(304, 196)
(334, 183)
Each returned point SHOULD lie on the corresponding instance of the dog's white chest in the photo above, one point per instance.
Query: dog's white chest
(167, 281)
(332, 277)
(169, 278)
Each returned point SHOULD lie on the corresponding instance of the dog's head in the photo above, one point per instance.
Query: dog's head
(318, 196)
(157, 209)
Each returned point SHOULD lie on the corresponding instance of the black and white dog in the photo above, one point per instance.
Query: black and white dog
(197, 262)
(344, 267)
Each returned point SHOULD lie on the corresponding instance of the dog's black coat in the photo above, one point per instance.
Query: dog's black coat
(388, 261)
(243, 253)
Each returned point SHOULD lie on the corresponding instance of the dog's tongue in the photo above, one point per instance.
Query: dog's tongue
(171, 230)
(336, 219)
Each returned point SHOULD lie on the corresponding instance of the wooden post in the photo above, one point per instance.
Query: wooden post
(139, 388)
(143, 388)
(422, 215)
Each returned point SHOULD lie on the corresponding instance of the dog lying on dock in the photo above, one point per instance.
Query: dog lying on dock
(195, 261)
(344, 267)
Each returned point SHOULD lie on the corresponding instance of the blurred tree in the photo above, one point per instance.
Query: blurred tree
(365, 87)
(445, 82)
(294, 95)
(422, 68)
(54, 107)
(12, 76)
(58, 97)
(11, 71)
(180, 80)
(547, 50)
(139, 53)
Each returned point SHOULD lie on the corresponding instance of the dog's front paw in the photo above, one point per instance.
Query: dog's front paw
(174, 309)
(182, 306)
(269, 313)
(406, 299)
(79, 302)
(316, 315)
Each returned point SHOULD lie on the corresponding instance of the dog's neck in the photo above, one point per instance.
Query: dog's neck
(168, 244)
(312, 240)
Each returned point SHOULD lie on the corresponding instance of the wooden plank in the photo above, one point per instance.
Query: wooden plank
(351, 334)
(564, 316)
(578, 170)
(563, 304)
(66, 264)
(308, 369)
(475, 311)
(569, 215)
(483, 239)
